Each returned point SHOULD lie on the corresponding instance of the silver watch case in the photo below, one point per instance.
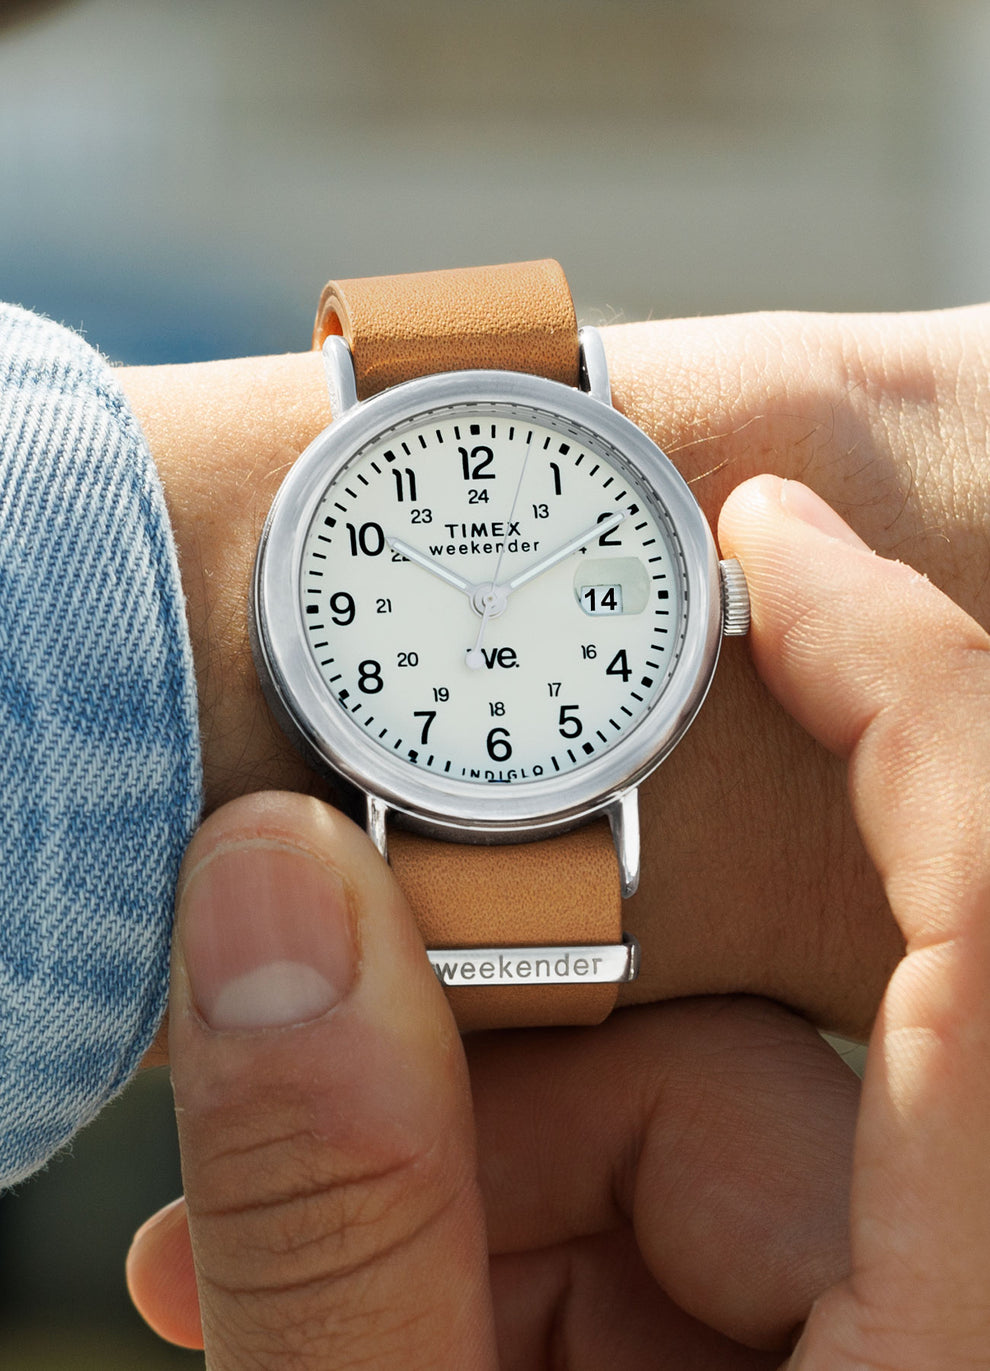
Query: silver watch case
(462, 811)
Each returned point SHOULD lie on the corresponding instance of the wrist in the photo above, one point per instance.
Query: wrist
(223, 434)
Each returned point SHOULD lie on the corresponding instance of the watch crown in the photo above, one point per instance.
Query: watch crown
(735, 598)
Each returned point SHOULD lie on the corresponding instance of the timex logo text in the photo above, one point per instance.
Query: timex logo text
(498, 529)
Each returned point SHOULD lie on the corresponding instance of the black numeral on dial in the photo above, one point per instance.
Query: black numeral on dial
(370, 677)
(475, 462)
(606, 539)
(429, 715)
(369, 539)
(405, 479)
(569, 725)
(619, 665)
(499, 747)
(342, 608)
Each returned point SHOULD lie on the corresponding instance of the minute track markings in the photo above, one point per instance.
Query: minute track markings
(373, 508)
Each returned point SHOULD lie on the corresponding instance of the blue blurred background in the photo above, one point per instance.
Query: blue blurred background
(179, 177)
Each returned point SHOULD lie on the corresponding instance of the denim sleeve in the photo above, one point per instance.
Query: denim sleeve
(99, 754)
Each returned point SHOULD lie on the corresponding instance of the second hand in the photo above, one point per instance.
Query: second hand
(474, 657)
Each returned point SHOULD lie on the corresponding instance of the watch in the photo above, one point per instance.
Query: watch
(490, 604)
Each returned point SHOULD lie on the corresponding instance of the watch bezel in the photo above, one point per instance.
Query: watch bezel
(440, 805)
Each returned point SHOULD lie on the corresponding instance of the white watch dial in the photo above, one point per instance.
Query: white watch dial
(491, 594)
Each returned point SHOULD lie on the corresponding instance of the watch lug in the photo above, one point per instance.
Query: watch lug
(594, 366)
(375, 819)
(338, 365)
(623, 816)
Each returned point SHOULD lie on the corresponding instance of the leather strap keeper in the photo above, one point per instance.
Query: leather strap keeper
(518, 317)
(558, 891)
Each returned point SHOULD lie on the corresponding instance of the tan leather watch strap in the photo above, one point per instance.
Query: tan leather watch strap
(558, 891)
(562, 891)
(518, 317)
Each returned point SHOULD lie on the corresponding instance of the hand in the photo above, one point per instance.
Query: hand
(883, 415)
(332, 1187)
(435, 568)
(894, 678)
(668, 1190)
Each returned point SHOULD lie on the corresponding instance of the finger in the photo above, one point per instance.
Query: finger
(323, 1108)
(161, 1277)
(157, 1053)
(720, 1130)
(888, 672)
(593, 1303)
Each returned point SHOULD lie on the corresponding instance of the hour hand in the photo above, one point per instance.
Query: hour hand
(428, 564)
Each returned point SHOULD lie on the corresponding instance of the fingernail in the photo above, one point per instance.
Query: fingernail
(801, 502)
(265, 932)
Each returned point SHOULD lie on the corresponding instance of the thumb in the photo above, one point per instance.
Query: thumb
(323, 1106)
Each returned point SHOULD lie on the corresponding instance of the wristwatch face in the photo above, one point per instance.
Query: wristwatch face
(488, 598)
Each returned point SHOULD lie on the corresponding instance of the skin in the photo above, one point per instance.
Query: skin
(884, 416)
(695, 1184)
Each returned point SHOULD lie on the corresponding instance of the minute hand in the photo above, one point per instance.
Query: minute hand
(552, 558)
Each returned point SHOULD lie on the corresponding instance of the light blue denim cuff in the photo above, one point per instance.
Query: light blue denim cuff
(100, 778)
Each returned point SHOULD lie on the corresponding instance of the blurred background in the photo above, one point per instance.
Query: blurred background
(179, 177)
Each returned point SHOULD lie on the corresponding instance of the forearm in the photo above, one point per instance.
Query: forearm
(753, 876)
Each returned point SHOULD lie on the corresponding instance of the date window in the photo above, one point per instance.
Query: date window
(601, 599)
(612, 585)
